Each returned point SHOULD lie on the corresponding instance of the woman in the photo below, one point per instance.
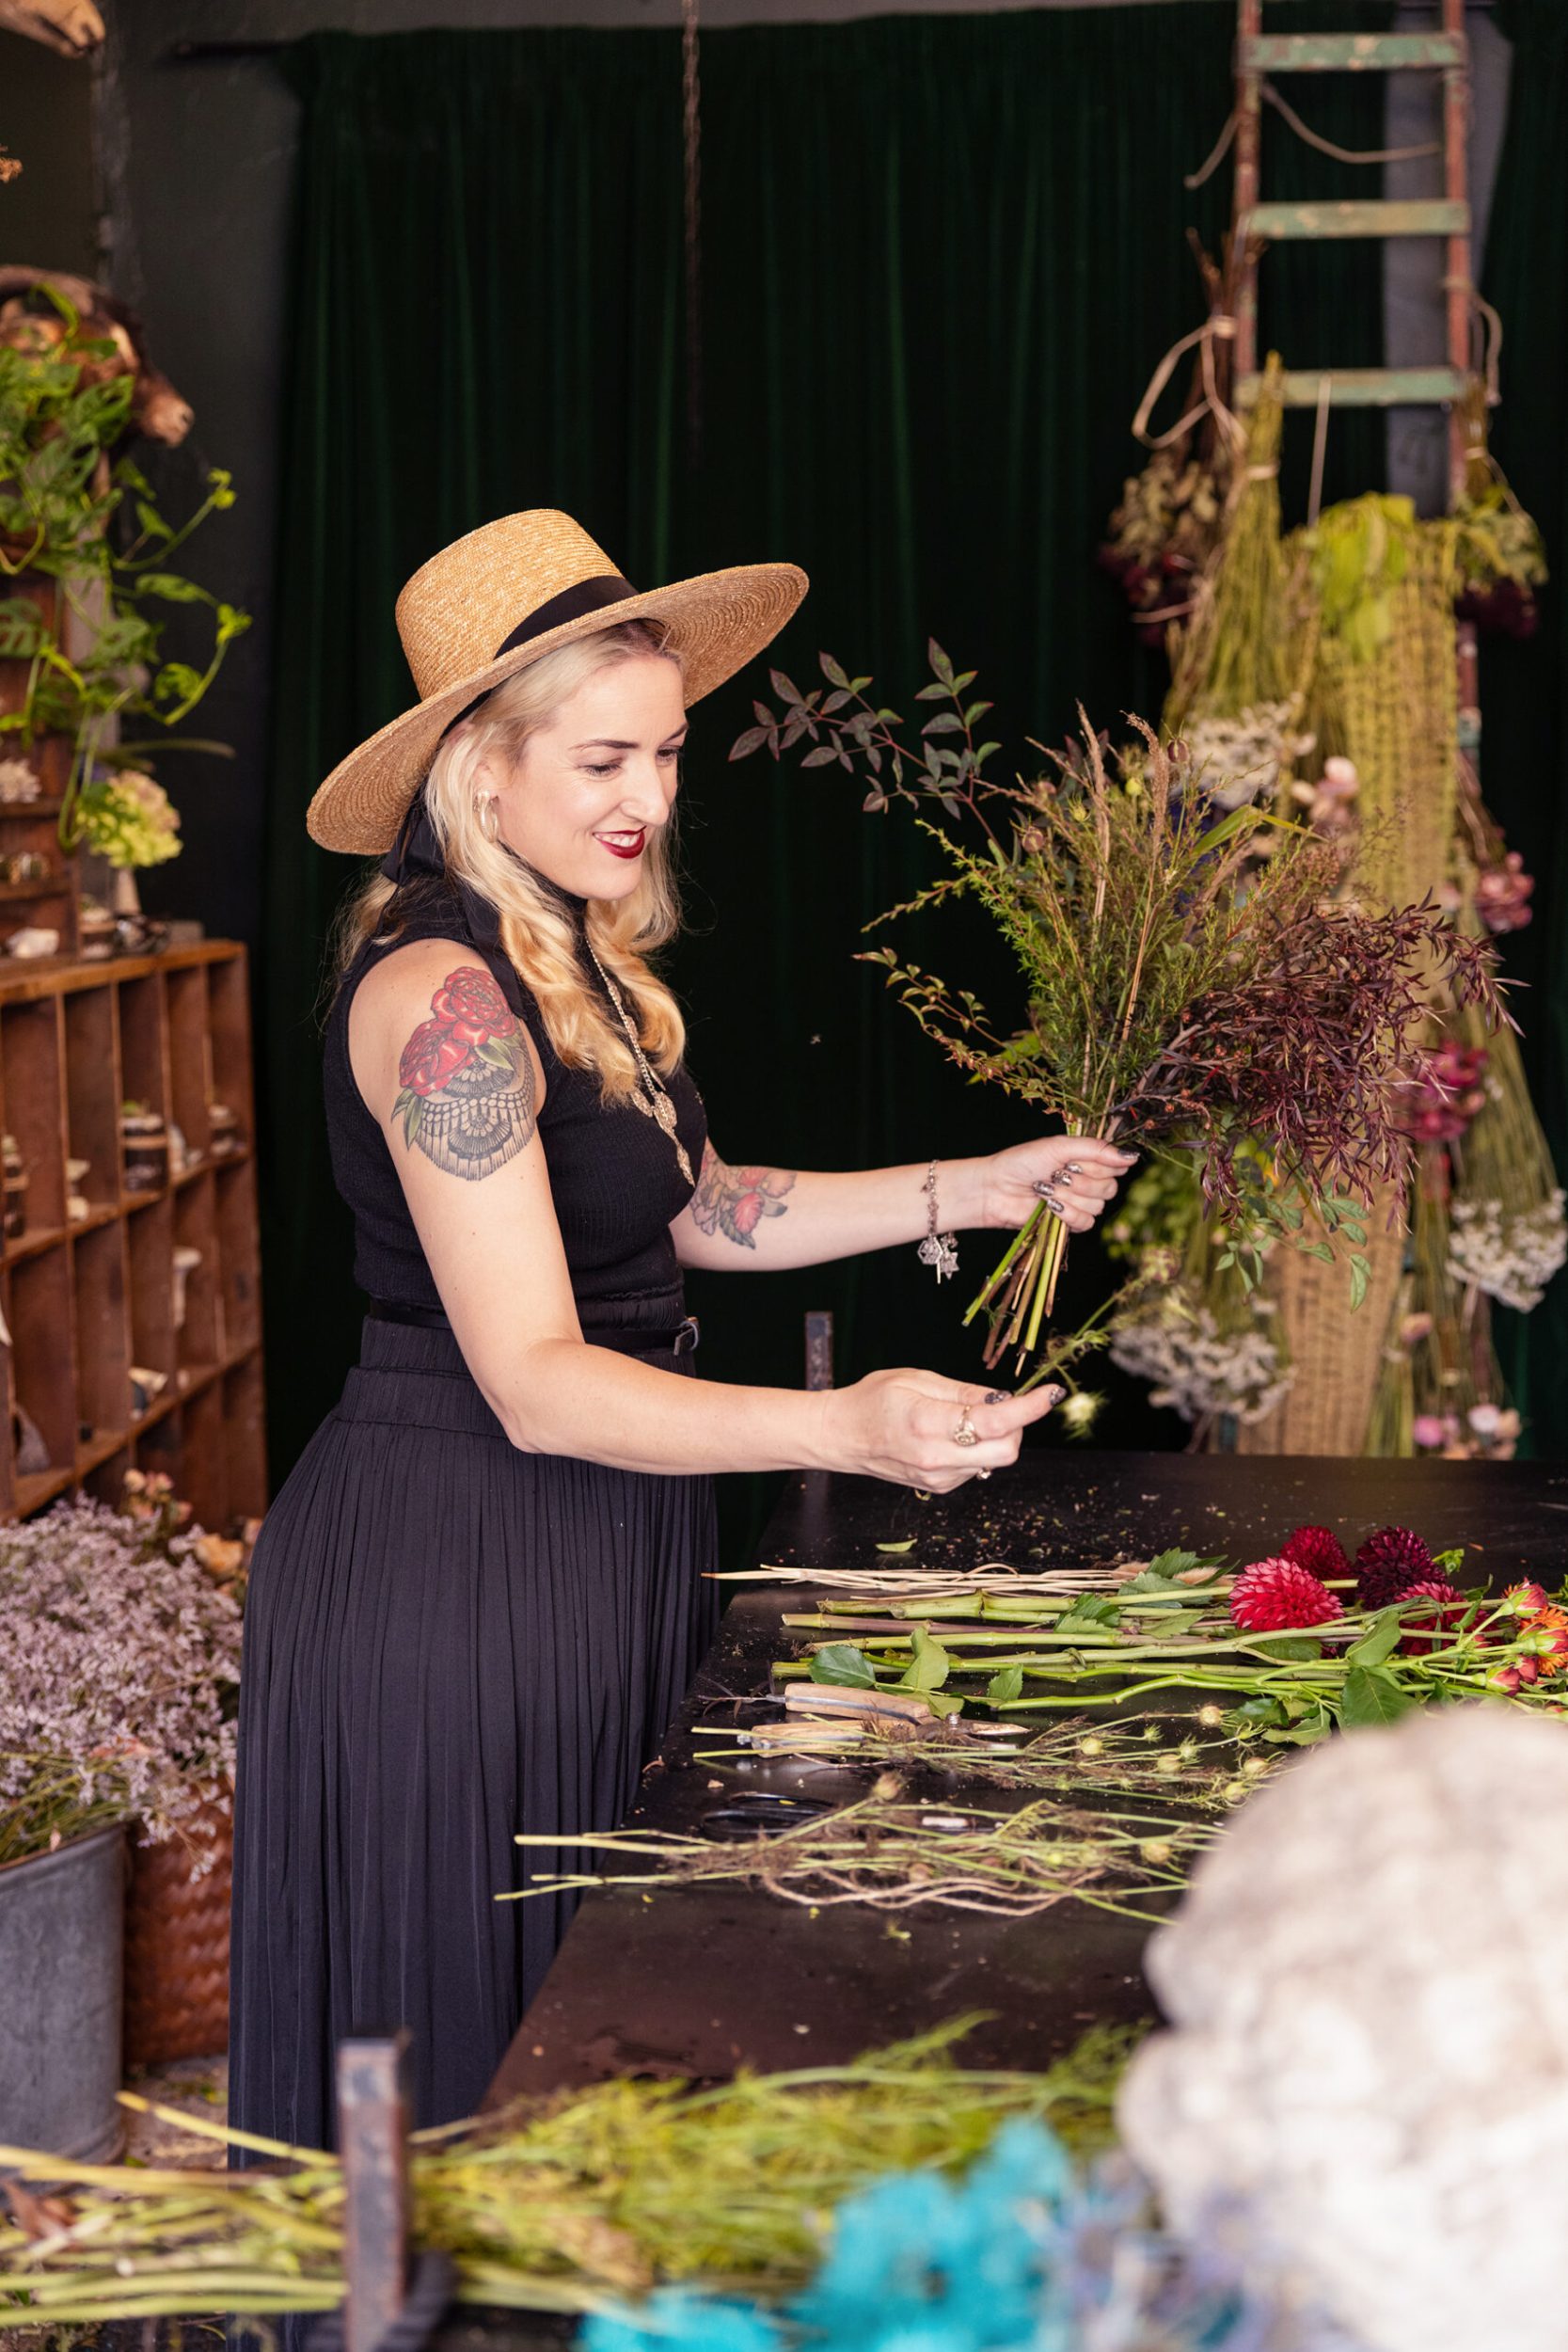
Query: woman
(479, 1597)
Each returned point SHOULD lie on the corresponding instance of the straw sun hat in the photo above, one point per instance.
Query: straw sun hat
(489, 604)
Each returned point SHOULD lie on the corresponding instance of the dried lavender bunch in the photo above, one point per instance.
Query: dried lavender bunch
(1193, 974)
(122, 1662)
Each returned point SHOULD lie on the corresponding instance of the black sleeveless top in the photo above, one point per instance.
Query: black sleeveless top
(614, 1177)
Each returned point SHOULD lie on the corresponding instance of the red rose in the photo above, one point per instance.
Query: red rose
(431, 1055)
(472, 1007)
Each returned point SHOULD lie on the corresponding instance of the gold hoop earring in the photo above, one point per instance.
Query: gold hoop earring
(489, 823)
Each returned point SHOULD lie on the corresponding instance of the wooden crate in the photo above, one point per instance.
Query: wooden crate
(89, 1297)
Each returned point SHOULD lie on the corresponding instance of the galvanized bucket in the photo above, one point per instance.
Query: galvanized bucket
(62, 1926)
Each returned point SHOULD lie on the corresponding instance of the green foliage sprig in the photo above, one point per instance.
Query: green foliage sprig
(71, 515)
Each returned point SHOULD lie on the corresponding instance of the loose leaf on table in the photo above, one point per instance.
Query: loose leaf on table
(842, 1662)
(1005, 1686)
(1372, 1698)
(1379, 1642)
(928, 1668)
(1086, 1614)
(908, 1545)
(1290, 1648)
(1312, 1727)
(1174, 1572)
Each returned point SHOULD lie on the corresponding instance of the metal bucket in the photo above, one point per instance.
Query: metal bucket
(62, 1928)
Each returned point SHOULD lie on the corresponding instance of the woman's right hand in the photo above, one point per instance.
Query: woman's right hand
(899, 1426)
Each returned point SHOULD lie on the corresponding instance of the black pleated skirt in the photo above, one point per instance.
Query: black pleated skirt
(446, 1642)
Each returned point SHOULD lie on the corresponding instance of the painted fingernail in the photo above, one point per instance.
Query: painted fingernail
(996, 1396)
(1065, 1177)
(1054, 1395)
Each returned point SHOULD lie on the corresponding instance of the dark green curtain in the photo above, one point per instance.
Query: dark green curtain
(941, 256)
(1525, 685)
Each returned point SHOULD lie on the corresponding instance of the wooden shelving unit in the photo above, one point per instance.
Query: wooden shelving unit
(87, 1297)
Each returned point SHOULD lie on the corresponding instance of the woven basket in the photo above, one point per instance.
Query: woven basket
(177, 1949)
(1337, 1354)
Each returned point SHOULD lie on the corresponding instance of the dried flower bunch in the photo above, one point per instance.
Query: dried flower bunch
(122, 1661)
(1181, 990)
(129, 819)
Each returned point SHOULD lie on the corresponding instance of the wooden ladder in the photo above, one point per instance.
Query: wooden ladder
(1258, 224)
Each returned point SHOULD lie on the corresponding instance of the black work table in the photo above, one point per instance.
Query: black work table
(700, 1980)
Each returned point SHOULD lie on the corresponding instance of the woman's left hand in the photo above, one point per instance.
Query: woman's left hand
(1074, 1175)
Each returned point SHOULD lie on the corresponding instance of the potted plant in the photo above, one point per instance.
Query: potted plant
(123, 1652)
(87, 585)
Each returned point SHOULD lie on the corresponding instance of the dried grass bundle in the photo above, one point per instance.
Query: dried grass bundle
(564, 2206)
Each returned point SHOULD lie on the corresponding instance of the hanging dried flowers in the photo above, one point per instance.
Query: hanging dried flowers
(1508, 1232)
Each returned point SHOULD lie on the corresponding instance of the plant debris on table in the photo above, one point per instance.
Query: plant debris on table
(893, 1853)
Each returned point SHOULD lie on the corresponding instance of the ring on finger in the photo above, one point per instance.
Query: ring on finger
(982, 1474)
(966, 1433)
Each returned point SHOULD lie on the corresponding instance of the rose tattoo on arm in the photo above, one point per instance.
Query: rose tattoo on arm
(466, 1096)
(733, 1200)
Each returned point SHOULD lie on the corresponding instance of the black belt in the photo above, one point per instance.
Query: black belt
(677, 1339)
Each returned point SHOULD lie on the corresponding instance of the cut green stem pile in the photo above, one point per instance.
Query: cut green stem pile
(1165, 1631)
(567, 2207)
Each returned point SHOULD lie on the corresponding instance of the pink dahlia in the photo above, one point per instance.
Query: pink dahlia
(1388, 1563)
(1433, 1627)
(1317, 1549)
(1279, 1595)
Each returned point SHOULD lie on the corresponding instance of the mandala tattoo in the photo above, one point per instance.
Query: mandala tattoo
(467, 1079)
(733, 1200)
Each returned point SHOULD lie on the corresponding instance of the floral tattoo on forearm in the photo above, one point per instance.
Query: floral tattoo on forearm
(735, 1201)
(467, 1079)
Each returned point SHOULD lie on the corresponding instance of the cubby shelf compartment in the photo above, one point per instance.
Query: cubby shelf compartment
(165, 1282)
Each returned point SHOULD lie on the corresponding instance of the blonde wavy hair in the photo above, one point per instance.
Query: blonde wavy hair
(535, 933)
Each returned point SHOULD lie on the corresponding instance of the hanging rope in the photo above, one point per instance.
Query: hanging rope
(691, 134)
(1313, 139)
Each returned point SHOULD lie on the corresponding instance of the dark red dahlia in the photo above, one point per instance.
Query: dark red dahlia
(1317, 1549)
(1442, 1614)
(1279, 1595)
(1388, 1563)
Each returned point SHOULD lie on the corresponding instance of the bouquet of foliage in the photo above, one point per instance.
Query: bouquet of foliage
(1196, 978)
(122, 1669)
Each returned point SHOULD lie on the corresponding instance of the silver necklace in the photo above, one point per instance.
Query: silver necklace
(656, 1103)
